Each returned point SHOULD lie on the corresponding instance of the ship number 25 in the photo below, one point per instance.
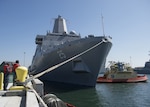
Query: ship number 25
(61, 54)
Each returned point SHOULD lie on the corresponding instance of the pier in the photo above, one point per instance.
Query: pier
(26, 92)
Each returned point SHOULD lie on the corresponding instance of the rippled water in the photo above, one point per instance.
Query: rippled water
(106, 95)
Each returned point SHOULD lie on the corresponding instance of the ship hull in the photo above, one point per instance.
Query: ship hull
(80, 71)
(143, 70)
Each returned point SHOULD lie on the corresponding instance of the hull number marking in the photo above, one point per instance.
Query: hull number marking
(61, 54)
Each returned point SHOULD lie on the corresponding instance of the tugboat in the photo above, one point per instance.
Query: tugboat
(119, 72)
(59, 46)
(143, 70)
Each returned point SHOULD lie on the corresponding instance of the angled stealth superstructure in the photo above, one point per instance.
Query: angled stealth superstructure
(60, 25)
(58, 46)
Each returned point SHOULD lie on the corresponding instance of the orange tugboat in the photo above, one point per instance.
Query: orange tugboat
(119, 72)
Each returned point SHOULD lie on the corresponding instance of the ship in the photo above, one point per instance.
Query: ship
(120, 72)
(143, 70)
(60, 45)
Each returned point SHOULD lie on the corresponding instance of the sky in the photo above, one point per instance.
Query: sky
(126, 21)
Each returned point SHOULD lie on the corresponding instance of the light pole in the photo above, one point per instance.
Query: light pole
(24, 59)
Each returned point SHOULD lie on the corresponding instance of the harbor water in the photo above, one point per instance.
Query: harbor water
(105, 94)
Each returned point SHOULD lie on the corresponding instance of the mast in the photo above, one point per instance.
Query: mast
(103, 24)
(149, 55)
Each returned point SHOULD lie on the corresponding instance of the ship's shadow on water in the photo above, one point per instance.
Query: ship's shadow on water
(80, 96)
(55, 87)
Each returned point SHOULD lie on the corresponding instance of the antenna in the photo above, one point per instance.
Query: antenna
(130, 60)
(103, 24)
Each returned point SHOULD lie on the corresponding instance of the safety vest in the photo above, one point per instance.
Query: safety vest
(15, 66)
(7, 69)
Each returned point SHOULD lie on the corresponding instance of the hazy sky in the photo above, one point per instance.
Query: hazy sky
(126, 21)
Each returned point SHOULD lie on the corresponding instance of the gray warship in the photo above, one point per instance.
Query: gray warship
(143, 70)
(58, 46)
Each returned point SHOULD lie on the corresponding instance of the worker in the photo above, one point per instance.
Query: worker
(7, 71)
(15, 65)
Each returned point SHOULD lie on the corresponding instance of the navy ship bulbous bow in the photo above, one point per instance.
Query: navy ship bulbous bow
(58, 46)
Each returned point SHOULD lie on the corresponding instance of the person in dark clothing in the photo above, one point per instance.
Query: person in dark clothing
(15, 65)
(7, 70)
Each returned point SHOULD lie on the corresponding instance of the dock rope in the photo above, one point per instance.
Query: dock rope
(39, 98)
(62, 63)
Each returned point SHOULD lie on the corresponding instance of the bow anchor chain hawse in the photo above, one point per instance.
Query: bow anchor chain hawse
(66, 61)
